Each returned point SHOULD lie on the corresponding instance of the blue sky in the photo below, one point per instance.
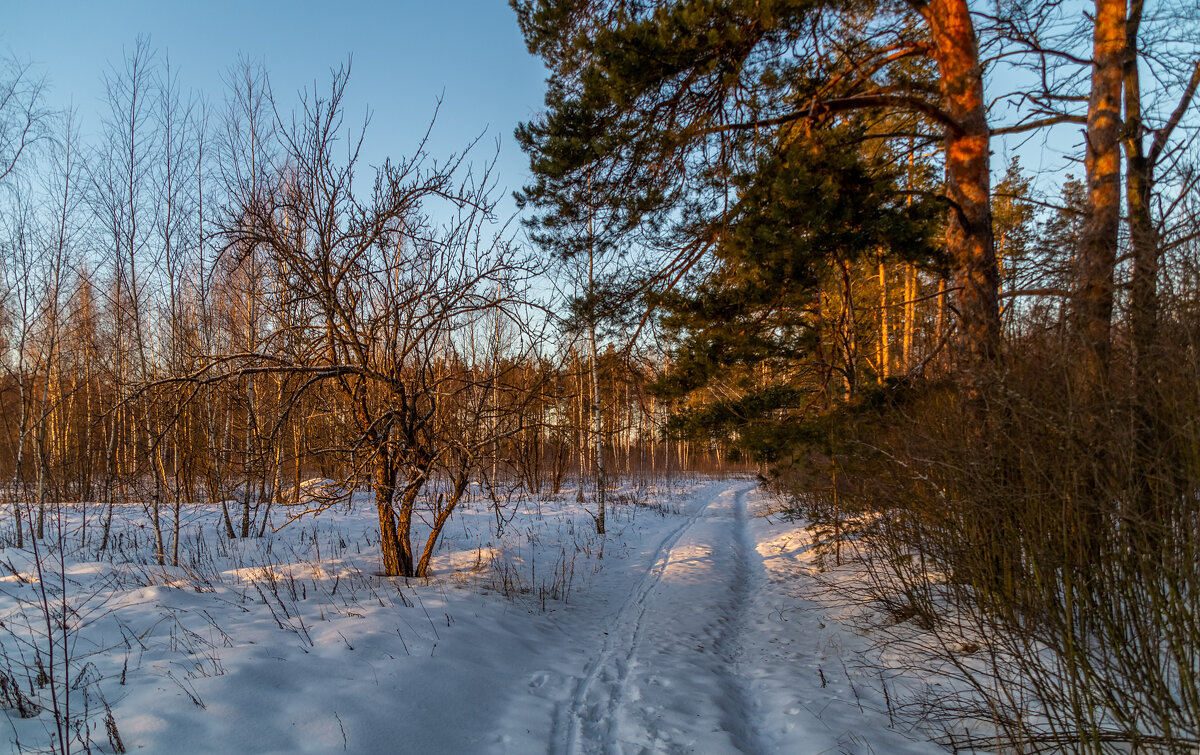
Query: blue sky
(406, 55)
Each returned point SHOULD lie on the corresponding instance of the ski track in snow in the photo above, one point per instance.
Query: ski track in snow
(621, 637)
(592, 719)
(747, 575)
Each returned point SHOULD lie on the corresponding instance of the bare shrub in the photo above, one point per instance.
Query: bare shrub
(1045, 555)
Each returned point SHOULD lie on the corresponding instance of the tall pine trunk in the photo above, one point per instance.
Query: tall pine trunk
(1093, 300)
(969, 241)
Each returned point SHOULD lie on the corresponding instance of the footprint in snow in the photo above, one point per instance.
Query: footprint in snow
(538, 679)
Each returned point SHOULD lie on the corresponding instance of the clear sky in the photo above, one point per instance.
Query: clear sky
(406, 55)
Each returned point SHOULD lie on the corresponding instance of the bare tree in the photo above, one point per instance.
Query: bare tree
(120, 174)
(372, 294)
(247, 157)
(173, 182)
(24, 120)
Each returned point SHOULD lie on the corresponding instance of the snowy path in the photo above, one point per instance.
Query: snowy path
(699, 652)
(601, 715)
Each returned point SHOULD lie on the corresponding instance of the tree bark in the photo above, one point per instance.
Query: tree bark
(598, 437)
(385, 490)
(408, 502)
(910, 311)
(885, 356)
(969, 241)
(1093, 301)
(439, 523)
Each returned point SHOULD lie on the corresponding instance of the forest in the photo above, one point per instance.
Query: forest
(977, 382)
(789, 238)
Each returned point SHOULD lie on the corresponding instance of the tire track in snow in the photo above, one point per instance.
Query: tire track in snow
(575, 716)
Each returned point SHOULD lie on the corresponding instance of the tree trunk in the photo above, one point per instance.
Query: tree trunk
(969, 242)
(112, 472)
(1158, 456)
(218, 462)
(439, 522)
(1139, 183)
(246, 461)
(583, 435)
(885, 356)
(1093, 301)
(941, 310)
(385, 490)
(18, 485)
(404, 524)
(910, 313)
(849, 328)
(598, 419)
(155, 450)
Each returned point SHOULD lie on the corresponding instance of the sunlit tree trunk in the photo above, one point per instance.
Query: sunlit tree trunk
(1093, 299)
(910, 314)
(969, 242)
(885, 356)
(385, 491)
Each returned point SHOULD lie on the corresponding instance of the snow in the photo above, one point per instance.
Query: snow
(688, 628)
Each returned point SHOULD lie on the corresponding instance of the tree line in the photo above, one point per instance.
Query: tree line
(218, 303)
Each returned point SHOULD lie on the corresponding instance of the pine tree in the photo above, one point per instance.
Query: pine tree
(1013, 220)
(653, 109)
(755, 327)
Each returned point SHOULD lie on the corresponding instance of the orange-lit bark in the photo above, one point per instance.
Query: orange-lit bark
(1093, 304)
(385, 489)
(969, 240)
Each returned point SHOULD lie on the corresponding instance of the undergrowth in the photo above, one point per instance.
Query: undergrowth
(1038, 543)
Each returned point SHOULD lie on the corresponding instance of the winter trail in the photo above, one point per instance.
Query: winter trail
(684, 615)
(696, 643)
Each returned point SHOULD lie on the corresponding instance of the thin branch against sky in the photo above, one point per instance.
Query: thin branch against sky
(406, 57)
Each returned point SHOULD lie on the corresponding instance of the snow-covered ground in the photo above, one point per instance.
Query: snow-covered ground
(685, 629)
